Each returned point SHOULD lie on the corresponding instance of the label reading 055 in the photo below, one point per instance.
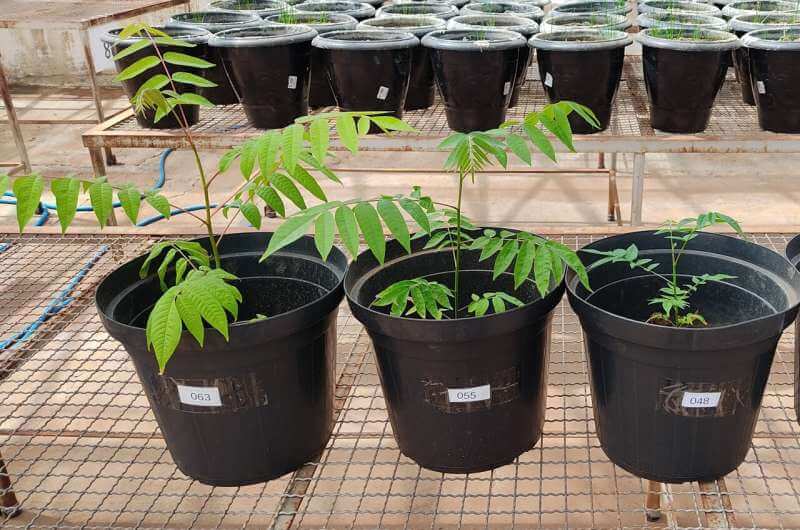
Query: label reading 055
(468, 395)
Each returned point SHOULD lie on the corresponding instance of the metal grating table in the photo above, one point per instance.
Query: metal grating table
(83, 450)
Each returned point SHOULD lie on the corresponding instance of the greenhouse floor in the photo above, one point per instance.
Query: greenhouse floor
(82, 449)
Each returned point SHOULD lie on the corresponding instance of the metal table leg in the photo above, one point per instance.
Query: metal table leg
(13, 121)
(637, 190)
(98, 102)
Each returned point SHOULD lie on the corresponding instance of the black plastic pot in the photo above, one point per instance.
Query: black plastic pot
(593, 6)
(261, 405)
(742, 24)
(774, 76)
(680, 404)
(320, 93)
(683, 75)
(475, 72)
(563, 22)
(687, 21)
(226, 92)
(369, 70)
(421, 85)
(793, 254)
(357, 10)
(504, 8)
(146, 118)
(463, 395)
(524, 26)
(427, 9)
(584, 66)
(262, 8)
(757, 7)
(271, 65)
(678, 6)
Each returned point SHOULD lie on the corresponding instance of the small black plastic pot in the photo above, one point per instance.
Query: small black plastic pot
(262, 8)
(226, 92)
(678, 6)
(757, 7)
(320, 93)
(742, 24)
(553, 23)
(681, 404)
(463, 395)
(271, 65)
(584, 66)
(475, 72)
(793, 254)
(504, 8)
(774, 76)
(524, 26)
(260, 405)
(421, 85)
(425, 9)
(357, 10)
(146, 118)
(369, 70)
(688, 21)
(592, 6)
(683, 72)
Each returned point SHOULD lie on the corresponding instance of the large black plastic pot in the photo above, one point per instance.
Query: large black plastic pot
(524, 26)
(774, 76)
(680, 404)
(226, 92)
(757, 7)
(320, 93)
(271, 65)
(584, 66)
(261, 405)
(683, 75)
(421, 85)
(427, 9)
(562, 22)
(369, 70)
(475, 72)
(463, 395)
(678, 6)
(357, 10)
(146, 118)
(793, 254)
(504, 8)
(592, 6)
(262, 8)
(688, 21)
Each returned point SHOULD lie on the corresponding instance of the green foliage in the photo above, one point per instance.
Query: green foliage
(498, 302)
(28, 191)
(425, 298)
(180, 254)
(674, 296)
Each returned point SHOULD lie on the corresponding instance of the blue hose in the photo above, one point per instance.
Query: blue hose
(61, 301)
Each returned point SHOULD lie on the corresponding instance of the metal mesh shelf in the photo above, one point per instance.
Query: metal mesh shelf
(83, 449)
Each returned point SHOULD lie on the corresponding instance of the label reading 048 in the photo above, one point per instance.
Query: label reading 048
(698, 400)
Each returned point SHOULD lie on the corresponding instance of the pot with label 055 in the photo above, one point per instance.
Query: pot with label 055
(257, 406)
(463, 394)
(680, 404)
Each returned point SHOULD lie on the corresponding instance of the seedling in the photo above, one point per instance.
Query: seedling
(674, 297)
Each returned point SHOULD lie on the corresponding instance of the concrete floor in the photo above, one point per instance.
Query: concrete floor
(759, 190)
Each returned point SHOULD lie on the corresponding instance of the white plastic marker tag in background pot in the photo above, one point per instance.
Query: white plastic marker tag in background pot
(468, 395)
(761, 88)
(506, 88)
(292, 82)
(700, 400)
(199, 396)
(383, 92)
(548, 80)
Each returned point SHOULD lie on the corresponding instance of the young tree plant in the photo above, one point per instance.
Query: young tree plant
(673, 298)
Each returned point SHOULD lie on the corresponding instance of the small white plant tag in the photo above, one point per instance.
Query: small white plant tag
(292, 82)
(199, 396)
(383, 92)
(548, 80)
(700, 400)
(506, 88)
(761, 88)
(468, 395)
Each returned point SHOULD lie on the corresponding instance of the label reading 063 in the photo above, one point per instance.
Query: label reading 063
(199, 396)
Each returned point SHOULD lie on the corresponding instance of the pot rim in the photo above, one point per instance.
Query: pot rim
(680, 21)
(427, 24)
(495, 40)
(525, 26)
(538, 3)
(731, 9)
(727, 41)
(354, 9)
(436, 9)
(373, 39)
(337, 21)
(243, 18)
(615, 21)
(193, 35)
(651, 6)
(583, 7)
(276, 7)
(611, 39)
(510, 8)
(740, 22)
(265, 36)
(759, 39)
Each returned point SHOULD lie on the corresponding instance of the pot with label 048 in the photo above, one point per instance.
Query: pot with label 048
(147, 118)
(584, 66)
(475, 71)
(271, 65)
(257, 406)
(680, 404)
(463, 394)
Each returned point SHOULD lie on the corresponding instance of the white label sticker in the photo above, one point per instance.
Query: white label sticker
(292, 82)
(761, 88)
(383, 92)
(200, 396)
(506, 88)
(700, 400)
(548, 80)
(468, 395)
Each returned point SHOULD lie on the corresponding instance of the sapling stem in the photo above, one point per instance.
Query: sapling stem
(457, 280)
